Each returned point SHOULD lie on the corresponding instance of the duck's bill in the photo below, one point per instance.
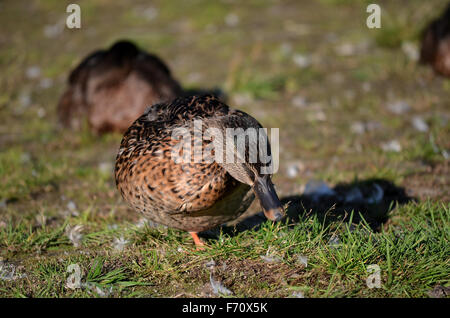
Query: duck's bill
(268, 198)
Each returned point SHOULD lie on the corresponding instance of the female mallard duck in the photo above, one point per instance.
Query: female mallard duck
(108, 80)
(436, 44)
(186, 194)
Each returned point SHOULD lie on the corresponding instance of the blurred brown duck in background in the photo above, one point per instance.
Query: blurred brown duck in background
(114, 87)
(436, 44)
(190, 196)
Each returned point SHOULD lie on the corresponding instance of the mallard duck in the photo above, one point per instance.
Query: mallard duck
(186, 195)
(113, 87)
(436, 44)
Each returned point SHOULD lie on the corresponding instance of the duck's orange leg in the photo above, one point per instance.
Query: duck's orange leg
(198, 242)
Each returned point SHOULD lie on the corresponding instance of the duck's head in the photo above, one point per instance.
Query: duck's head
(123, 50)
(243, 149)
(261, 185)
(251, 170)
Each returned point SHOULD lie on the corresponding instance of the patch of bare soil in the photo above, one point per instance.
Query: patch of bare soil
(432, 183)
(239, 276)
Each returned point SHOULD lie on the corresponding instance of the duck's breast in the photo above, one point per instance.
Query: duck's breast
(188, 196)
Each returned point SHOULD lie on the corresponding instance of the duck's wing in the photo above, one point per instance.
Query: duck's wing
(247, 136)
(151, 62)
(153, 70)
(435, 32)
(89, 63)
(246, 148)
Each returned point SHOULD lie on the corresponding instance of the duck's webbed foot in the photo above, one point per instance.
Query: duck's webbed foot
(198, 242)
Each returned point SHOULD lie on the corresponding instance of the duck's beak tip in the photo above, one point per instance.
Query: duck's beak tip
(268, 198)
(274, 215)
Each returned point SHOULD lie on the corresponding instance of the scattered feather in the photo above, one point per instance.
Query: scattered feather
(41, 219)
(391, 146)
(349, 49)
(71, 209)
(53, 30)
(232, 20)
(74, 234)
(113, 226)
(33, 72)
(71, 206)
(362, 127)
(24, 100)
(294, 169)
(334, 241)
(411, 51)
(271, 258)
(399, 107)
(345, 49)
(120, 243)
(210, 265)
(419, 124)
(299, 101)
(8, 272)
(298, 294)
(358, 128)
(41, 112)
(302, 61)
(218, 288)
(94, 288)
(439, 292)
(302, 259)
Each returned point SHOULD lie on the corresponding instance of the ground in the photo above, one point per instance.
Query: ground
(355, 111)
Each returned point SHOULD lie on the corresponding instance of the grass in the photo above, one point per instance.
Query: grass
(57, 188)
(412, 254)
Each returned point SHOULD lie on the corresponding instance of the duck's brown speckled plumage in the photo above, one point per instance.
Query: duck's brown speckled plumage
(188, 196)
(435, 48)
(111, 88)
